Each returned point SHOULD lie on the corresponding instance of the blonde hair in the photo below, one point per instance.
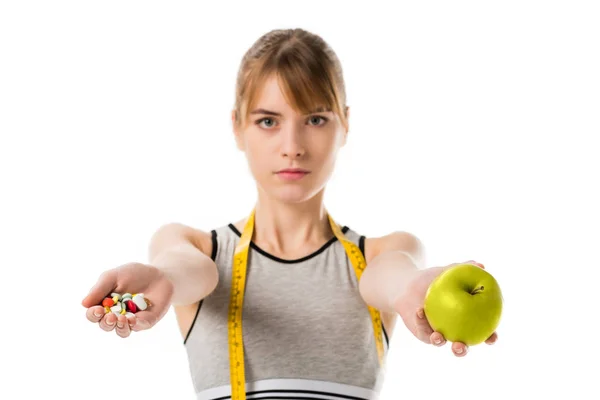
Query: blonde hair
(308, 70)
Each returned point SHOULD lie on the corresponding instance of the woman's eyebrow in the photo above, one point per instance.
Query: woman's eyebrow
(320, 109)
(263, 111)
(267, 112)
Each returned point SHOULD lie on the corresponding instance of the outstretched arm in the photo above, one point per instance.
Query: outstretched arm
(396, 280)
(397, 259)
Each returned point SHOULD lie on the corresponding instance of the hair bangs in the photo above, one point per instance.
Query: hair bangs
(306, 88)
(308, 72)
(306, 85)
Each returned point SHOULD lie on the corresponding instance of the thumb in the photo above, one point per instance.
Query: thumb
(144, 320)
(105, 285)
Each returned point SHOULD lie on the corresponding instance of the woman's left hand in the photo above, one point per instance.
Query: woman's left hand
(410, 308)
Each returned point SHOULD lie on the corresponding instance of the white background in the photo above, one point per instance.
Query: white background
(473, 126)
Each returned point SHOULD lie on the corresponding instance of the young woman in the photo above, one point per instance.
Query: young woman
(285, 303)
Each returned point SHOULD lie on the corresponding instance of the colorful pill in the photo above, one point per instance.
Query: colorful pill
(123, 311)
(106, 310)
(108, 302)
(117, 295)
(131, 306)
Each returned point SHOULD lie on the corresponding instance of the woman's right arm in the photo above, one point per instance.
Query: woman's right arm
(183, 254)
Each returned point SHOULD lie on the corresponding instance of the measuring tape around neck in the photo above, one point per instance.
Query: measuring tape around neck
(236, 302)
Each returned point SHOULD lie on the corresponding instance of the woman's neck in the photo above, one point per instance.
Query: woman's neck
(290, 230)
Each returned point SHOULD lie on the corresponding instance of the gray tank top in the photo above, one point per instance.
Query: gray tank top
(307, 331)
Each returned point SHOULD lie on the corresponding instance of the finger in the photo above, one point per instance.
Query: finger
(105, 285)
(423, 328)
(95, 314)
(123, 329)
(109, 322)
(473, 262)
(437, 339)
(492, 339)
(459, 349)
(461, 263)
(131, 321)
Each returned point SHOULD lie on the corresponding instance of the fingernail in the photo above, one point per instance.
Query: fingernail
(97, 314)
(420, 313)
(119, 324)
(437, 341)
(110, 321)
(459, 350)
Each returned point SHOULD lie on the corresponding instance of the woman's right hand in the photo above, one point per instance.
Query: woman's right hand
(130, 278)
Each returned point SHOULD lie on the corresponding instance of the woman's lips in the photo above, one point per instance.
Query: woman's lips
(292, 174)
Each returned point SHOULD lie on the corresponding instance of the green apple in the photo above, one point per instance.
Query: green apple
(464, 303)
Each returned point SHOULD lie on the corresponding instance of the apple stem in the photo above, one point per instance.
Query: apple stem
(477, 290)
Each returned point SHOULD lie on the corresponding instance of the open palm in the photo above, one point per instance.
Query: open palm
(130, 278)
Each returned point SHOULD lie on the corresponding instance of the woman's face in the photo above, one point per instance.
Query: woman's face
(287, 140)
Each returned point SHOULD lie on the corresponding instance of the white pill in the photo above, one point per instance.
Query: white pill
(140, 302)
(116, 294)
(130, 314)
(116, 308)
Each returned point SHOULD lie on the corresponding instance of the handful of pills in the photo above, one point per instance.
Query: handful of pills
(127, 304)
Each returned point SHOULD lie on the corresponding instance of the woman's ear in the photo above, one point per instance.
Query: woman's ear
(347, 114)
(348, 117)
(236, 131)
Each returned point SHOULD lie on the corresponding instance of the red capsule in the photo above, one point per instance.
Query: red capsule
(131, 307)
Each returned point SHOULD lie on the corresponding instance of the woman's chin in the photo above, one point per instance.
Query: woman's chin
(294, 194)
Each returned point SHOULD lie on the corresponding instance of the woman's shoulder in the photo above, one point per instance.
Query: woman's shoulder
(394, 241)
(176, 234)
(220, 238)
(173, 233)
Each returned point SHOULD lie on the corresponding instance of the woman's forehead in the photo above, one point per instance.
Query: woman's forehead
(271, 95)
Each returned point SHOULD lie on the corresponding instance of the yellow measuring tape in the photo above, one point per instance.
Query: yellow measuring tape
(236, 301)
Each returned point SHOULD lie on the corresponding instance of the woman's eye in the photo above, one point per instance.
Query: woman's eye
(270, 122)
(260, 121)
(317, 118)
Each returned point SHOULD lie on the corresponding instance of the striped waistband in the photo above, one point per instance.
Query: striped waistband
(293, 389)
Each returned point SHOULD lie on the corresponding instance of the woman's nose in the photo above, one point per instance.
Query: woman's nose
(292, 146)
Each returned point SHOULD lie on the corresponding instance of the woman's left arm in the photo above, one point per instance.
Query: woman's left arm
(396, 280)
